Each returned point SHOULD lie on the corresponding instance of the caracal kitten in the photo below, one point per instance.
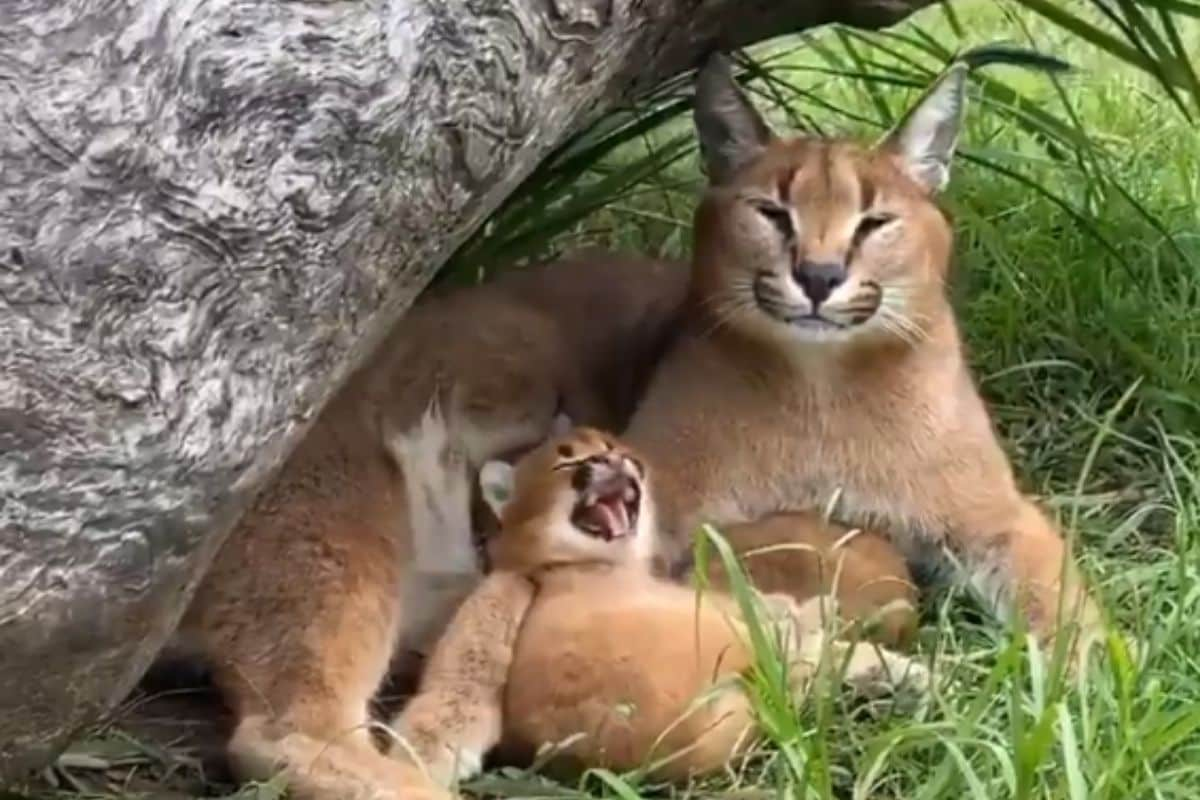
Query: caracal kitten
(821, 363)
(361, 547)
(614, 666)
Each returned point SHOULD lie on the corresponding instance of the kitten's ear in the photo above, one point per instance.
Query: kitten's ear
(926, 137)
(561, 425)
(496, 485)
(731, 131)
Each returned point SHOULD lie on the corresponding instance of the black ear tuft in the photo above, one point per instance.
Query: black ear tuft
(731, 131)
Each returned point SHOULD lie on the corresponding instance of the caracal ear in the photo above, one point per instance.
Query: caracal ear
(926, 137)
(731, 132)
(496, 485)
(561, 425)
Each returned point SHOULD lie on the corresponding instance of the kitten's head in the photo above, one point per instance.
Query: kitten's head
(579, 498)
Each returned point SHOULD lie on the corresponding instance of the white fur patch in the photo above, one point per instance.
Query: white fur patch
(447, 766)
(438, 485)
(467, 764)
(928, 136)
(496, 482)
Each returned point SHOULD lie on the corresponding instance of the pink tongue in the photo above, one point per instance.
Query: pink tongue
(615, 517)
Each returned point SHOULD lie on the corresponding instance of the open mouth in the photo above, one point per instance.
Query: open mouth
(609, 504)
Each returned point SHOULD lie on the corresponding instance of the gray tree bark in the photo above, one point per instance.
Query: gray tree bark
(209, 211)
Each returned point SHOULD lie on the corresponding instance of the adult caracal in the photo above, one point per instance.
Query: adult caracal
(821, 358)
(361, 547)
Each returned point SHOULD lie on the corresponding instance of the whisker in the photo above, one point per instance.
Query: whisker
(904, 321)
(894, 306)
(901, 325)
(726, 307)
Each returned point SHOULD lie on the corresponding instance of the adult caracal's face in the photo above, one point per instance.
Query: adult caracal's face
(812, 240)
(578, 498)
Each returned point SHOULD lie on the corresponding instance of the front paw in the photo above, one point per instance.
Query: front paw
(442, 765)
(467, 763)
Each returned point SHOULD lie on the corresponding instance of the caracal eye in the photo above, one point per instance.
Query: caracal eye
(779, 216)
(871, 222)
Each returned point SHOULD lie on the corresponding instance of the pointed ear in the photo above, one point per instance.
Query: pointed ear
(731, 131)
(927, 135)
(561, 425)
(496, 485)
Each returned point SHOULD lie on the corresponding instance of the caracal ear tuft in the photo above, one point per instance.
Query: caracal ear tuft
(926, 136)
(731, 132)
(496, 480)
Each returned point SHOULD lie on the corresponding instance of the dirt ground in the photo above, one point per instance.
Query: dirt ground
(166, 742)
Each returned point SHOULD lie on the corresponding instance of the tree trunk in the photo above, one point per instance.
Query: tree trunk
(209, 211)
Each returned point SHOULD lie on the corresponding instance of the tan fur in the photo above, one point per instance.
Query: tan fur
(803, 556)
(616, 666)
(455, 717)
(321, 584)
(750, 415)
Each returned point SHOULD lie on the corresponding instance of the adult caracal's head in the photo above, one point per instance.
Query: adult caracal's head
(811, 240)
(578, 498)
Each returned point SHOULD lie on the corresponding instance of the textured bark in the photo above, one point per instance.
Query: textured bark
(208, 213)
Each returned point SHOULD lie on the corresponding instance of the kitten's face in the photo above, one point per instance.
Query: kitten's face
(579, 498)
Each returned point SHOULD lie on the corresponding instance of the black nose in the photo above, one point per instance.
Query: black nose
(595, 468)
(818, 280)
(582, 478)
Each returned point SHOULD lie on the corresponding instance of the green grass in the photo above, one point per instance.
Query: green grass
(1078, 284)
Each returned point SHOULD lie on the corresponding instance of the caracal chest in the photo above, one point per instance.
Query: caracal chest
(814, 449)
